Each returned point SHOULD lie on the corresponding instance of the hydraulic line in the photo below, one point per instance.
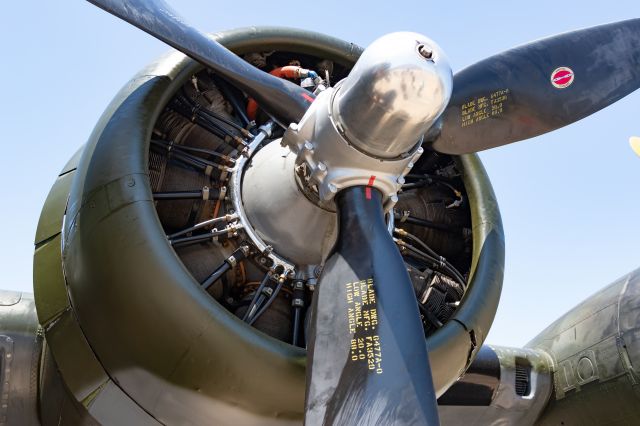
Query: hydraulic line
(206, 122)
(256, 295)
(404, 233)
(195, 158)
(186, 112)
(230, 262)
(202, 237)
(205, 193)
(420, 181)
(269, 301)
(297, 312)
(436, 262)
(196, 108)
(426, 223)
(428, 177)
(424, 180)
(171, 146)
(430, 251)
(297, 302)
(231, 94)
(414, 185)
(198, 163)
(226, 218)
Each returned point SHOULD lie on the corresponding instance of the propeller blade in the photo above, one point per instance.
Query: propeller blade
(634, 142)
(286, 102)
(367, 356)
(540, 86)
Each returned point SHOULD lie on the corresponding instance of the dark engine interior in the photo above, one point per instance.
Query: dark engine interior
(206, 127)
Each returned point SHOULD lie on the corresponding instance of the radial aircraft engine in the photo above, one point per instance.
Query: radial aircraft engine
(273, 226)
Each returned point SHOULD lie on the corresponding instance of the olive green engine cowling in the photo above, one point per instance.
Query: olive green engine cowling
(595, 351)
(128, 325)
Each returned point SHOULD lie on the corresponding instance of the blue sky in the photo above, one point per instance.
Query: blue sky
(569, 200)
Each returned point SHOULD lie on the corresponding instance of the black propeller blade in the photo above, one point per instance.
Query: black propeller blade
(367, 355)
(283, 100)
(540, 86)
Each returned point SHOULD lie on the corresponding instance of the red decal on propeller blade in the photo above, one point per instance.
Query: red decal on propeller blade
(562, 77)
(308, 97)
(367, 190)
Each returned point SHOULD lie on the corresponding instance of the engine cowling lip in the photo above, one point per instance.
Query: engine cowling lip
(276, 352)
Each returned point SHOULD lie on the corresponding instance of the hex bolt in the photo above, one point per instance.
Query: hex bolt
(425, 52)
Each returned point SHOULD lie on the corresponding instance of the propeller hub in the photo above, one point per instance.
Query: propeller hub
(368, 129)
(395, 92)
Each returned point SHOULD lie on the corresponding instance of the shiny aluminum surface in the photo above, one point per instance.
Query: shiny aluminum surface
(280, 214)
(395, 92)
(335, 164)
(235, 192)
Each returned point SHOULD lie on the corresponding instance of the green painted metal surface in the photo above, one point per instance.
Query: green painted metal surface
(595, 349)
(20, 345)
(48, 280)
